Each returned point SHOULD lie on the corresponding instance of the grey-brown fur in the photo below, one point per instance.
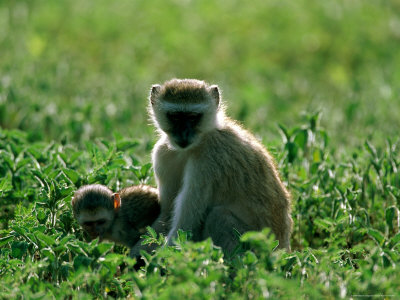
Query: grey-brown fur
(178, 91)
(139, 208)
(225, 181)
(91, 197)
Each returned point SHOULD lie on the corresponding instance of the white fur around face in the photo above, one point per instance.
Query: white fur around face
(181, 107)
(213, 116)
(189, 206)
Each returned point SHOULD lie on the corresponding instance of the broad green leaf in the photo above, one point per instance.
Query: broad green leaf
(75, 156)
(292, 150)
(21, 230)
(46, 239)
(395, 240)
(324, 224)
(390, 214)
(250, 258)
(151, 231)
(74, 248)
(49, 253)
(314, 120)
(6, 184)
(112, 260)
(301, 138)
(145, 169)
(72, 175)
(21, 162)
(126, 144)
(6, 239)
(36, 151)
(117, 163)
(18, 249)
(377, 236)
(284, 132)
(317, 155)
(101, 249)
(41, 216)
(371, 149)
(65, 240)
(325, 137)
(291, 261)
(82, 262)
(394, 255)
(8, 158)
(387, 260)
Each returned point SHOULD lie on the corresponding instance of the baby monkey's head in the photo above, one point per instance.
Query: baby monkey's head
(95, 207)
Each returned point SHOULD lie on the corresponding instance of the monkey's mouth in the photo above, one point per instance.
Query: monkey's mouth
(182, 143)
(183, 137)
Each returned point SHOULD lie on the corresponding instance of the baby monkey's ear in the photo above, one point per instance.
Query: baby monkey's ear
(117, 201)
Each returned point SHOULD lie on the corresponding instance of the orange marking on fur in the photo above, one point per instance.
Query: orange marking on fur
(117, 201)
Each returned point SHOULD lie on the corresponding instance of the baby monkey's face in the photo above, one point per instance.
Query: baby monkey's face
(96, 223)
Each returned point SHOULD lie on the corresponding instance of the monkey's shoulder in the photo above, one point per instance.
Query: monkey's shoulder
(234, 140)
(124, 233)
(139, 204)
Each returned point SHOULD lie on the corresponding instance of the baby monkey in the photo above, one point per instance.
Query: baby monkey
(119, 217)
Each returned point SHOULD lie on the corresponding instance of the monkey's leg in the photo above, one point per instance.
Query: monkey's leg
(224, 228)
(283, 235)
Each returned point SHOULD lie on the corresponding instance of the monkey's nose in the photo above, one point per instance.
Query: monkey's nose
(184, 138)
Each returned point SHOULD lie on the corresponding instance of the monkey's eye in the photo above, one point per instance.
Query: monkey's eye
(173, 117)
(184, 117)
(194, 117)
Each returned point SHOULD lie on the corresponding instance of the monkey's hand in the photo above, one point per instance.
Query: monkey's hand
(135, 251)
(171, 238)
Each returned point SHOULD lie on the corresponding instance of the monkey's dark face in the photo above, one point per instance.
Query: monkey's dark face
(185, 110)
(183, 127)
(97, 224)
(95, 228)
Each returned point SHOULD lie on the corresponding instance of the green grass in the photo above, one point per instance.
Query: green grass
(317, 81)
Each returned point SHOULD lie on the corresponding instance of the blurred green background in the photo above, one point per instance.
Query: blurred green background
(74, 79)
(77, 70)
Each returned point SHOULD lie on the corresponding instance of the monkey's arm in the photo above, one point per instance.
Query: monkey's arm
(168, 171)
(192, 202)
(224, 228)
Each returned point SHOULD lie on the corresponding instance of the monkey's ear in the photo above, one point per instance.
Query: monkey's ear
(155, 90)
(215, 94)
(117, 201)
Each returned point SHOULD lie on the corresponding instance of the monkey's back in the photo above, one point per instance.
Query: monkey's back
(244, 178)
(139, 208)
(139, 205)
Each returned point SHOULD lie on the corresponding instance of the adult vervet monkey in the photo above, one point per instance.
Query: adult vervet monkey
(213, 176)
